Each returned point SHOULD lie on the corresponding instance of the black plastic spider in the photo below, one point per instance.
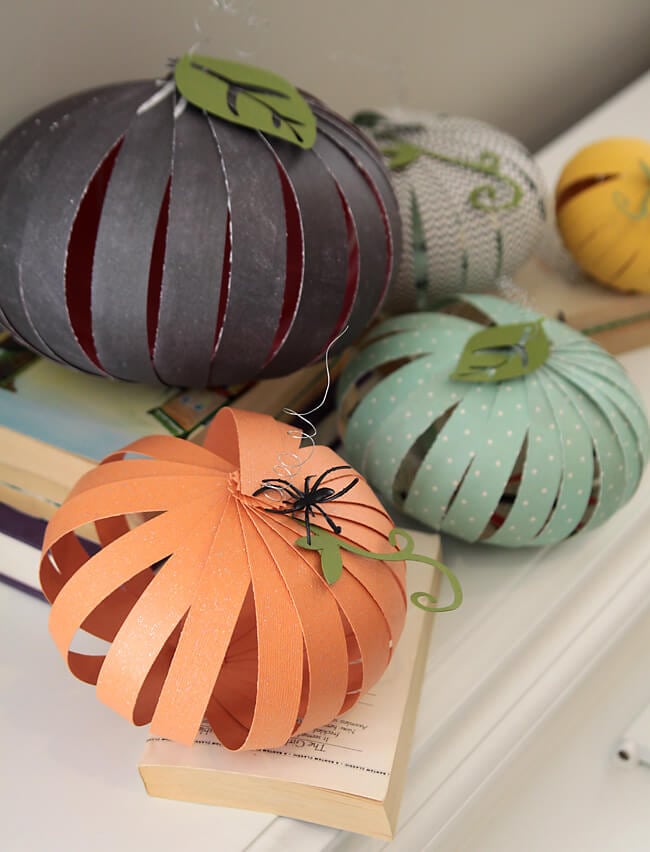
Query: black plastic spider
(310, 498)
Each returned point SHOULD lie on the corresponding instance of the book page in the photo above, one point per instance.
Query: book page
(82, 414)
(352, 754)
(91, 416)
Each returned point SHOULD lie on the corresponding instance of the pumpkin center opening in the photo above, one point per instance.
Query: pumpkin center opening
(362, 387)
(156, 267)
(225, 286)
(232, 704)
(154, 681)
(464, 310)
(580, 186)
(509, 496)
(294, 267)
(415, 456)
(81, 252)
(594, 496)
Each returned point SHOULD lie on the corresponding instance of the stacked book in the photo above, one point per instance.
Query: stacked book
(56, 423)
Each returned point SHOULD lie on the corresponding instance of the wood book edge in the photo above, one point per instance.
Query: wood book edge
(393, 800)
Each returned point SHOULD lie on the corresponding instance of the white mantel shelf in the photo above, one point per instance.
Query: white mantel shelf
(528, 688)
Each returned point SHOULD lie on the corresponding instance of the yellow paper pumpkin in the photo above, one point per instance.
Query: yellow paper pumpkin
(603, 211)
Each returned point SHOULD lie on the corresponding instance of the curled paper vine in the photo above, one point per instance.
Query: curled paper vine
(622, 202)
(484, 197)
(330, 546)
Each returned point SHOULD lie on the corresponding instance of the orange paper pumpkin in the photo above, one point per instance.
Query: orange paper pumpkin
(603, 211)
(209, 606)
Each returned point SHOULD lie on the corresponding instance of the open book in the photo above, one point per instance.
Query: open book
(348, 774)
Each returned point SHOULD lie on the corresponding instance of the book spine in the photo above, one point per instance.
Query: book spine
(18, 525)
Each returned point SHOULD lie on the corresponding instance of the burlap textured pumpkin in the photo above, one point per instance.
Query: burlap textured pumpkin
(471, 200)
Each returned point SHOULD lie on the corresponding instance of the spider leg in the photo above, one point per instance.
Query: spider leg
(327, 473)
(269, 481)
(341, 492)
(333, 526)
(288, 511)
(273, 484)
(308, 509)
(281, 483)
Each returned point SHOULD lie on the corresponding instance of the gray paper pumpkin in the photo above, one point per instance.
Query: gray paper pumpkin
(449, 438)
(155, 244)
(471, 199)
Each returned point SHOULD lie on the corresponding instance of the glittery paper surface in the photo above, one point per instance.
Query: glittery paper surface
(209, 606)
(147, 240)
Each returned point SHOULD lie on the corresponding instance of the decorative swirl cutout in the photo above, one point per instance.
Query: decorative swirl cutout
(329, 547)
(401, 154)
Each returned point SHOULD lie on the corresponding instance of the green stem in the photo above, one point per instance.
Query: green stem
(622, 202)
(487, 164)
(402, 153)
(329, 547)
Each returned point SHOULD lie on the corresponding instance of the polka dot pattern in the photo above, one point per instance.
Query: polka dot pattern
(524, 462)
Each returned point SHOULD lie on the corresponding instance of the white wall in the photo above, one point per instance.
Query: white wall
(530, 67)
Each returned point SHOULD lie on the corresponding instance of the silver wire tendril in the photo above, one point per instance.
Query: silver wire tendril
(289, 464)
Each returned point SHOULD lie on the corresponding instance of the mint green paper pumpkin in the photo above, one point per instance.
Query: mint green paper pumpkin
(524, 461)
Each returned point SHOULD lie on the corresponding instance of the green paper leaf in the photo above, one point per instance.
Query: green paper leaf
(401, 154)
(503, 352)
(420, 255)
(245, 95)
(329, 547)
(367, 118)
